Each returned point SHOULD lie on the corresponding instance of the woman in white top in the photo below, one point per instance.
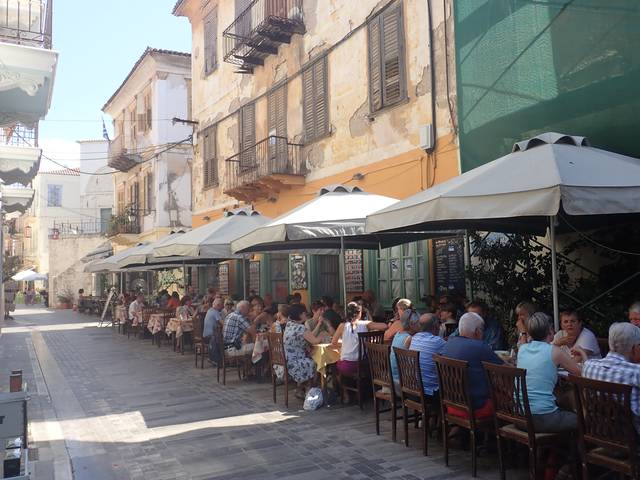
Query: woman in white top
(347, 334)
(574, 334)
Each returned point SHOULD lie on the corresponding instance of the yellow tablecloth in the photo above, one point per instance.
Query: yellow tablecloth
(324, 354)
(179, 327)
(156, 323)
(121, 313)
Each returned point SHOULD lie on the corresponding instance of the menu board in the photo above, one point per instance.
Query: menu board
(298, 271)
(354, 270)
(254, 276)
(223, 279)
(448, 254)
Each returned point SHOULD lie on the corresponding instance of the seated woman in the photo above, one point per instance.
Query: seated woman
(297, 339)
(396, 325)
(410, 323)
(347, 335)
(174, 301)
(326, 330)
(184, 311)
(448, 316)
(574, 334)
(280, 320)
(541, 359)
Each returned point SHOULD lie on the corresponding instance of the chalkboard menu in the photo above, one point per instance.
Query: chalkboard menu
(354, 270)
(298, 271)
(448, 254)
(254, 276)
(223, 279)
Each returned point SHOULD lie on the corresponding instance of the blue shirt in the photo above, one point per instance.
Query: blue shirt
(542, 376)
(398, 341)
(428, 345)
(493, 334)
(475, 352)
(211, 320)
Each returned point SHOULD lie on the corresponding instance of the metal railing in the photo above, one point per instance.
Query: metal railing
(92, 226)
(128, 223)
(27, 22)
(120, 157)
(258, 30)
(19, 136)
(272, 156)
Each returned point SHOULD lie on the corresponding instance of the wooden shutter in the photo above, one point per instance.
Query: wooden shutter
(277, 124)
(387, 82)
(209, 162)
(315, 100)
(211, 41)
(149, 193)
(375, 68)
(247, 136)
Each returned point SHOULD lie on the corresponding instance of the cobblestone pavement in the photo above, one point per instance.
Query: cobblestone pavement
(107, 407)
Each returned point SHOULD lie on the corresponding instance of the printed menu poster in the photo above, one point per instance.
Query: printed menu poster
(354, 270)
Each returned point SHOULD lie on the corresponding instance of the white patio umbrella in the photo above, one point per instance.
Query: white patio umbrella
(143, 254)
(335, 219)
(29, 275)
(550, 181)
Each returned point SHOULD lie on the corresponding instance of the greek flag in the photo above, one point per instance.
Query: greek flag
(105, 134)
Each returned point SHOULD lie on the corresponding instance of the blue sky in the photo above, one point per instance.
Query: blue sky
(98, 43)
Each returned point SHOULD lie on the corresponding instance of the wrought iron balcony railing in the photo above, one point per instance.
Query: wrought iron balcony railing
(19, 136)
(265, 165)
(259, 30)
(27, 22)
(80, 227)
(120, 158)
(125, 223)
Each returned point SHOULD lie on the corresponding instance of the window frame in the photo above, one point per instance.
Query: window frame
(56, 190)
(210, 32)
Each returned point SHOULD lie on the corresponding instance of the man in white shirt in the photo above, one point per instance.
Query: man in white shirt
(212, 318)
(135, 309)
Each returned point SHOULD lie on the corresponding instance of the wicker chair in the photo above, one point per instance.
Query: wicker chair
(512, 417)
(278, 357)
(382, 384)
(453, 379)
(412, 394)
(607, 436)
(356, 383)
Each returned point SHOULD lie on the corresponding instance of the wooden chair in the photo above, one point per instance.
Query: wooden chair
(603, 344)
(361, 377)
(228, 361)
(412, 394)
(607, 435)
(278, 357)
(382, 384)
(512, 417)
(200, 347)
(141, 328)
(453, 379)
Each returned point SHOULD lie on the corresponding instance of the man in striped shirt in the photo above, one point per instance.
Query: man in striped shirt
(621, 363)
(428, 342)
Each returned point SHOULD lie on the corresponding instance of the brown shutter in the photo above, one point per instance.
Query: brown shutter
(392, 55)
(375, 69)
(211, 41)
(320, 81)
(308, 104)
(247, 136)
(213, 159)
(277, 123)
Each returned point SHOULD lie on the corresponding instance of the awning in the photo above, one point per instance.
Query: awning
(28, 276)
(103, 251)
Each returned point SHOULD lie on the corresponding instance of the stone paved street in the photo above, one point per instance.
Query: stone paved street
(107, 407)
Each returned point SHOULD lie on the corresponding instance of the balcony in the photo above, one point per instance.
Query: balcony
(74, 228)
(264, 169)
(19, 154)
(259, 30)
(28, 63)
(127, 223)
(119, 157)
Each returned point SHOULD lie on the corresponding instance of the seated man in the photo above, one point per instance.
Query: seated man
(212, 318)
(468, 346)
(493, 332)
(236, 325)
(621, 363)
(428, 342)
(634, 314)
(135, 310)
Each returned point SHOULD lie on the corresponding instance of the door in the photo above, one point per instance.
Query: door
(243, 21)
(105, 218)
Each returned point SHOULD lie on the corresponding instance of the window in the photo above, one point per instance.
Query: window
(54, 195)
(120, 199)
(315, 100)
(247, 137)
(279, 273)
(209, 162)
(134, 196)
(387, 77)
(328, 276)
(147, 110)
(211, 41)
(148, 193)
(277, 123)
(402, 272)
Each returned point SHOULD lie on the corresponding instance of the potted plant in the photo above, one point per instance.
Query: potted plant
(65, 299)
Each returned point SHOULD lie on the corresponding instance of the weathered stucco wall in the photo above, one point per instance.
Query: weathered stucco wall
(384, 147)
(66, 271)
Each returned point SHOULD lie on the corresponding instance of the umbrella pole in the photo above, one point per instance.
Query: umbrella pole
(184, 277)
(122, 282)
(244, 279)
(344, 275)
(467, 264)
(554, 272)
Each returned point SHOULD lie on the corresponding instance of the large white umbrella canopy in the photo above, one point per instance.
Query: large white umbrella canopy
(213, 240)
(143, 254)
(109, 264)
(338, 212)
(28, 276)
(546, 176)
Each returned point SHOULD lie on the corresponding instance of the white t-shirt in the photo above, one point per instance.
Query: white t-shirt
(586, 340)
(350, 342)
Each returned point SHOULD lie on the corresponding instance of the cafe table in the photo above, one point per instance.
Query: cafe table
(324, 354)
(176, 328)
(260, 346)
(156, 323)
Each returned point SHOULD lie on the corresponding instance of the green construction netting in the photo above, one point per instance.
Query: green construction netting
(527, 66)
